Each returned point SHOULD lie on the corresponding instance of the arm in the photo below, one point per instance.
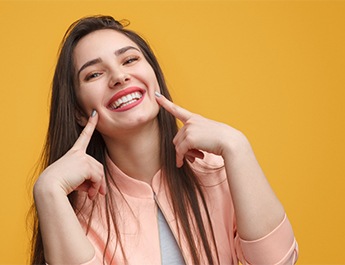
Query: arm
(63, 238)
(258, 210)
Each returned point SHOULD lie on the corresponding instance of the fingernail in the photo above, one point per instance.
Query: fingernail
(158, 94)
(93, 113)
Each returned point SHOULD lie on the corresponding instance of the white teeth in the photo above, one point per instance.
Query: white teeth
(125, 100)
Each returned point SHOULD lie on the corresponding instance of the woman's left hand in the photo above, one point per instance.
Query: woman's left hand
(253, 199)
(198, 133)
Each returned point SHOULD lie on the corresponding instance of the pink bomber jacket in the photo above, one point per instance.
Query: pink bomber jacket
(138, 222)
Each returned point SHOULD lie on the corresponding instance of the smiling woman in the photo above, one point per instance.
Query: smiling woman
(114, 75)
(124, 185)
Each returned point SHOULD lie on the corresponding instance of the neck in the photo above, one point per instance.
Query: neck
(137, 153)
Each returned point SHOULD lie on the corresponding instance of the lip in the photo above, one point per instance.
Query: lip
(125, 92)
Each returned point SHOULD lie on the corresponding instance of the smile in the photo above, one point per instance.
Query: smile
(126, 99)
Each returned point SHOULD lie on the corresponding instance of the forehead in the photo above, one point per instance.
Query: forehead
(100, 43)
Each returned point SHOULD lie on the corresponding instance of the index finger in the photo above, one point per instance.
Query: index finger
(179, 112)
(85, 136)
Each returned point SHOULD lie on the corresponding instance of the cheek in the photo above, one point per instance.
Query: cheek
(87, 100)
(148, 74)
(86, 103)
(156, 108)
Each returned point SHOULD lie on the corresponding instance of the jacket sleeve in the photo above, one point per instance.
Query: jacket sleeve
(278, 247)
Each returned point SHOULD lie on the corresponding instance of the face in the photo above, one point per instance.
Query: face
(115, 79)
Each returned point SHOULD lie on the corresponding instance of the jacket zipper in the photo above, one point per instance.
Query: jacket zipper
(173, 233)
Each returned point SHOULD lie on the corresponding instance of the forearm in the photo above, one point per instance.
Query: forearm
(258, 210)
(63, 238)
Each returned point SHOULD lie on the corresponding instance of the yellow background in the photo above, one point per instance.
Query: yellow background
(275, 70)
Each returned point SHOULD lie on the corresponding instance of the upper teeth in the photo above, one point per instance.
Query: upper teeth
(125, 100)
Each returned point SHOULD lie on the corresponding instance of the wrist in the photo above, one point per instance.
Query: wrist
(235, 145)
(46, 187)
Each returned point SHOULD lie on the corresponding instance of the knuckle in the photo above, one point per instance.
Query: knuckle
(83, 133)
(100, 170)
(173, 108)
(180, 150)
(177, 149)
(189, 138)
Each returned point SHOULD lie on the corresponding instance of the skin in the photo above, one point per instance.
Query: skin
(131, 134)
(132, 141)
(258, 210)
(74, 171)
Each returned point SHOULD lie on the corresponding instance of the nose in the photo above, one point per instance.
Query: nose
(118, 78)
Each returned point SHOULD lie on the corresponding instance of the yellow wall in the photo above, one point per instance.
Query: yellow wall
(273, 69)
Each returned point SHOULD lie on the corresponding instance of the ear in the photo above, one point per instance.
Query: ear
(80, 117)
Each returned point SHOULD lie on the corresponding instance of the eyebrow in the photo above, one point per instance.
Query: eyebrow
(124, 49)
(99, 60)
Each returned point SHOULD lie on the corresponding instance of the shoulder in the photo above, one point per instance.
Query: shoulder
(210, 170)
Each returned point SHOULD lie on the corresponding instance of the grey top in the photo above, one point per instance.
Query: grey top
(170, 251)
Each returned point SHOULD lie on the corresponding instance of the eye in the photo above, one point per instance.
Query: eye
(131, 59)
(92, 75)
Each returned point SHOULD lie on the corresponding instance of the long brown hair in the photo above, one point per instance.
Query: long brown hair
(64, 129)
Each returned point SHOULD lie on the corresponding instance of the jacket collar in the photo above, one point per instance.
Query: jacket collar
(130, 185)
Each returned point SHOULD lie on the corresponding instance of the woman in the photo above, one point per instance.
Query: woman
(123, 185)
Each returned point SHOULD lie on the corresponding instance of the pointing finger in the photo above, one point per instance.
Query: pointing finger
(179, 112)
(85, 136)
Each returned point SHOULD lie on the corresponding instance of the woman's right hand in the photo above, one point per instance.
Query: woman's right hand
(64, 239)
(76, 170)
